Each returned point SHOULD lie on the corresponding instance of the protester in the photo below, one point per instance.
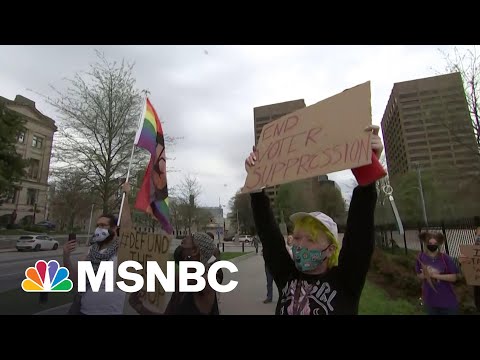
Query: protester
(438, 272)
(269, 277)
(104, 248)
(215, 257)
(197, 247)
(255, 242)
(463, 259)
(476, 289)
(320, 279)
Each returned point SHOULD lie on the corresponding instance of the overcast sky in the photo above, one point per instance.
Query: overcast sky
(206, 94)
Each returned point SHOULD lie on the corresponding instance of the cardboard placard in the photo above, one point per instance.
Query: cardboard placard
(322, 138)
(426, 274)
(143, 247)
(471, 266)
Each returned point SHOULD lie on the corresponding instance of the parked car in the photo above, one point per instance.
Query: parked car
(245, 238)
(36, 242)
(46, 224)
(229, 238)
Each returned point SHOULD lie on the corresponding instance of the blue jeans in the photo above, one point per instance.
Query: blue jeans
(440, 311)
(269, 284)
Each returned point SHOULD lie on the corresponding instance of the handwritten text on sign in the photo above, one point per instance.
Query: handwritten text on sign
(471, 267)
(143, 247)
(326, 137)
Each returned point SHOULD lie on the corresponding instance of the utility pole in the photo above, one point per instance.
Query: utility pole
(420, 188)
(90, 226)
(238, 225)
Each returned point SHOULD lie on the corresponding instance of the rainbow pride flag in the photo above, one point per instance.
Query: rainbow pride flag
(153, 195)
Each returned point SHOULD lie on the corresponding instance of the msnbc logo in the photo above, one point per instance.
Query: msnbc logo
(47, 277)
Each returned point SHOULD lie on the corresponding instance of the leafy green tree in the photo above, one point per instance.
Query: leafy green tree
(12, 165)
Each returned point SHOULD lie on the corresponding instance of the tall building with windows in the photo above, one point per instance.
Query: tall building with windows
(427, 124)
(35, 144)
(263, 115)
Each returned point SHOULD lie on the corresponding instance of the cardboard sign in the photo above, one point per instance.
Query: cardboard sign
(426, 274)
(471, 266)
(322, 138)
(143, 247)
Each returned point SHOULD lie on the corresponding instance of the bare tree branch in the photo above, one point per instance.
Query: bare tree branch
(467, 64)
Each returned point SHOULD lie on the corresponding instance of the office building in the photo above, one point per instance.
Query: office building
(427, 124)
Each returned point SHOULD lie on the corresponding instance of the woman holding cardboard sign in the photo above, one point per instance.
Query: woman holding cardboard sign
(462, 258)
(321, 279)
(438, 272)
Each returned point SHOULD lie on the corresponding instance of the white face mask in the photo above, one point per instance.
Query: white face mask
(100, 235)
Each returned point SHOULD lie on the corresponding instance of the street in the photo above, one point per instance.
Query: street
(8, 241)
(13, 263)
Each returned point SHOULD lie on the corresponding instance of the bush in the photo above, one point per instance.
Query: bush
(35, 228)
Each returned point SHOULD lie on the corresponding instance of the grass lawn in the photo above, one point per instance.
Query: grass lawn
(231, 255)
(375, 301)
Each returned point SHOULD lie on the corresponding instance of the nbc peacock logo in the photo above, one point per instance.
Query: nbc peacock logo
(47, 277)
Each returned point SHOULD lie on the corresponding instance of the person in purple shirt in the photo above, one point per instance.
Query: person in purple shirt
(438, 294)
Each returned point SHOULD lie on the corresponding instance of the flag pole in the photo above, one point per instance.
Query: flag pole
(131, 156)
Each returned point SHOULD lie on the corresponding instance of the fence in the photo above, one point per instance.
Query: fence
(457, 232)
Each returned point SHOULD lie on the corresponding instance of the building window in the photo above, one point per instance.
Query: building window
(34, 169)
(21, 137)
(32, 196)
(37, 142)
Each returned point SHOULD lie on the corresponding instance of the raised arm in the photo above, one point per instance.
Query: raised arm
(359, 239)
(275, 253)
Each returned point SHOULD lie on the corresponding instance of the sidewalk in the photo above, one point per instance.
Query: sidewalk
(246, 299)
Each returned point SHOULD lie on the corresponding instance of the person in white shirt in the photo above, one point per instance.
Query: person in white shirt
(105, 243)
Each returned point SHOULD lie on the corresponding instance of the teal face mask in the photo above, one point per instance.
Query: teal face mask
(305, 259)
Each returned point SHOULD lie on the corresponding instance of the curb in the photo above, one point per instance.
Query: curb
(242, 257)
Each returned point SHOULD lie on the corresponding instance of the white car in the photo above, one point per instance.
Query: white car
(245, 238)
(36, 242)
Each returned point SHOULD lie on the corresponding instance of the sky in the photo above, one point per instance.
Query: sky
(205, 94)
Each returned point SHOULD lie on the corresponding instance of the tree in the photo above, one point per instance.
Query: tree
(174, 206)
(71, 200)
(186, 196)
(99, 113)
(12, 165)
(240, 204)
(439, 202)
(202, 218)
(467, 63)
(307, 196)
